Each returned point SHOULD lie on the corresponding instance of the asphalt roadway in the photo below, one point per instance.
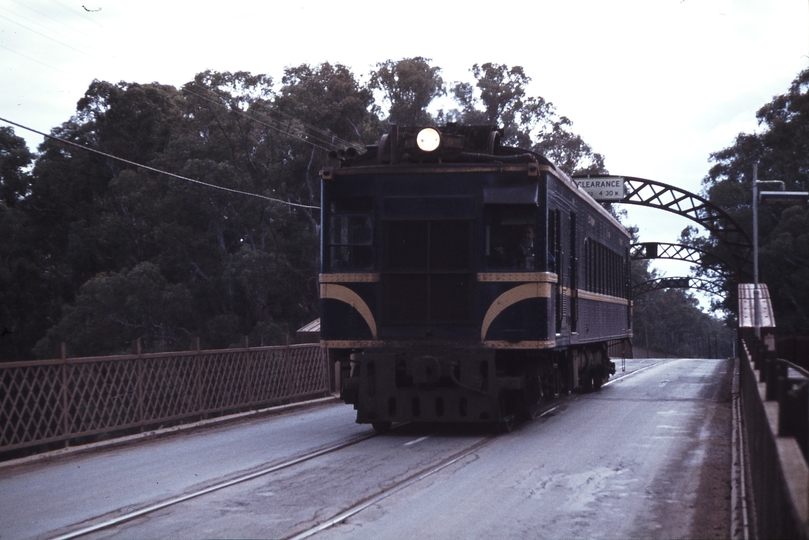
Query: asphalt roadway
(648, 456)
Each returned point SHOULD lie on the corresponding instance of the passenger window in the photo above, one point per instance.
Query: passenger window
(605, 269)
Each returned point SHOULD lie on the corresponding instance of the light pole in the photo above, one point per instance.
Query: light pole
(793, 197)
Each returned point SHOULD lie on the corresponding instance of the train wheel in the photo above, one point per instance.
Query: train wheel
(381, 427)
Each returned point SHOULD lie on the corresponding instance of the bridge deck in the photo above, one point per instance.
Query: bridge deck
(649, 455)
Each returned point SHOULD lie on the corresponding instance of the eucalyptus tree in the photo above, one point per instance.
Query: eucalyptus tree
(231, 264)
(408, 87)
(781, 148)
(15, 157)
(18, 273)
(500, 97)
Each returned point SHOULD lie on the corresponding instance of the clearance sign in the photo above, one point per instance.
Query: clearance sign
(603, 188)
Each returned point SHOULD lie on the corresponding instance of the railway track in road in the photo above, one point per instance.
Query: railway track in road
(111, 523)
(246, 477)
(548, 408)
(398, 486)
(103, 526)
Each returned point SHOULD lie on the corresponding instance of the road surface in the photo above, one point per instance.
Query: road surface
(648, 456)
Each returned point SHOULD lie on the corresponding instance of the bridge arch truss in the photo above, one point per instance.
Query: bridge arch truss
(697, 283)
(653, 194)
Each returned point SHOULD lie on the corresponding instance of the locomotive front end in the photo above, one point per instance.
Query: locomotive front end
(437, 283)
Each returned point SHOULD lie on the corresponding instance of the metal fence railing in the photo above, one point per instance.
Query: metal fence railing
(58, 400)
(775, 403)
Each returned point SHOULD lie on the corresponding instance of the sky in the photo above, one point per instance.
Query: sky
(655, 86)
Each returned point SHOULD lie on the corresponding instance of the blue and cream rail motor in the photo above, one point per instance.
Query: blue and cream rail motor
(465, 281)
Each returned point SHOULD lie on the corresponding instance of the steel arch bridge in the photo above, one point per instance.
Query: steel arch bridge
(653, 194)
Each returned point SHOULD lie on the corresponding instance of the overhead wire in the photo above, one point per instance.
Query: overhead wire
(316, 137)
(34, 60)
(40, 24)
(73, 30)
(242, 113)
(324, 133)
(329, 136)
(76, 14)
(159, 171)
(323, 139)
(44, 35)
(47, 37)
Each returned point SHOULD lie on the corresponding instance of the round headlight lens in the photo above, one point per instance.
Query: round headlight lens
(428, 139)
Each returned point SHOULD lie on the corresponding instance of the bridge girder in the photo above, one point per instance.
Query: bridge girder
(663, 250)
(693, 283)
(675, 252)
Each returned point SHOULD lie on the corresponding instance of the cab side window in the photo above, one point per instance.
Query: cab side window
(512, 239)
(351, 233)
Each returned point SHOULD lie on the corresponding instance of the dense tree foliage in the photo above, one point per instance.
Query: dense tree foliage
(670, 321)
(408, 87)
(19, 283)
(499, 97)
(99, 253)
(781, 147)
(14, 158)
(123, 253)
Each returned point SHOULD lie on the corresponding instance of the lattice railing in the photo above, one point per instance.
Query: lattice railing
(58, 400)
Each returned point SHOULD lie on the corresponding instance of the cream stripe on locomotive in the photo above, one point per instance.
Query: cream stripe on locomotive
(366, 277)
(539, 285)
(510, 297)
(587, 295)
(344, 294)
(528, 344)
(503, 277)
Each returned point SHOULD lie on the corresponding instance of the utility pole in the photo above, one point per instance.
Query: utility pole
(756, 314)
(781, 195)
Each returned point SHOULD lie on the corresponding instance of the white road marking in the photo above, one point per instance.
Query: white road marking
(417, 440)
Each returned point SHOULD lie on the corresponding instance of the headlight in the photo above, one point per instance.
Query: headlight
(428, 139)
